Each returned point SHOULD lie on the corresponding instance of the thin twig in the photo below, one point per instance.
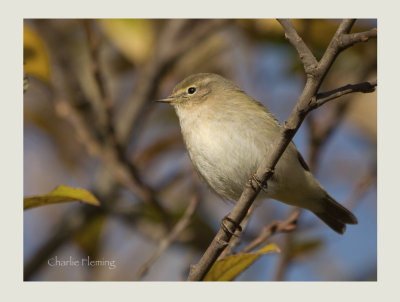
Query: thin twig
(324, 97)
(101, 105)
(107, 148)
(93, 147)
(348, 40)
(125, 173)
(361, 188)
(333, 49)
(321, 131)
(305, 54)
(171, 237)
(286, 225)
(285, 257)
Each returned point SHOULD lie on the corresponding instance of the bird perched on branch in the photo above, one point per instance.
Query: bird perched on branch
(227, 134)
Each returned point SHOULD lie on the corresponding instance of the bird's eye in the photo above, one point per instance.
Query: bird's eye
(191, 90)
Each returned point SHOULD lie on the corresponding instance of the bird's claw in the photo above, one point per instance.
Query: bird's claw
(235, 224)
(263, 187)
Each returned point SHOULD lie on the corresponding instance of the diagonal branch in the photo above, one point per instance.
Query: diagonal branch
(266, 169)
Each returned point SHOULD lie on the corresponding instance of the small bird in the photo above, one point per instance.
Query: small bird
(227, 134)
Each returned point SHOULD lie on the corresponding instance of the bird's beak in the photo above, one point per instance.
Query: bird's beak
(169, 99)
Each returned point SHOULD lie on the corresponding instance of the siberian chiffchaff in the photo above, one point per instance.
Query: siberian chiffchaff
(227, 134)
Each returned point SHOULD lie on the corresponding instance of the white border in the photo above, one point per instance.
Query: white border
(12, 169)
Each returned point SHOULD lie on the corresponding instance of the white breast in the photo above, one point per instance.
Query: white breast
(221, 149)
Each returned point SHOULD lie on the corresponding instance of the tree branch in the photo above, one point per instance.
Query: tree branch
(334, 48)
(266, 169)
(319, 132)
(305, 54)
(123, 170)
(348, 40)
(285, 257)
(287, 225)
(324, 97)
(99, 138)
(362, 187)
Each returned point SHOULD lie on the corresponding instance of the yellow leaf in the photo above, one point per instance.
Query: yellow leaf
(59, 195)
(231, 266)
(36, 61)
(133, 37)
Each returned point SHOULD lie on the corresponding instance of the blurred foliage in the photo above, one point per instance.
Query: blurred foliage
(362, 112)
(88, 239)
(59, 195)
(305, 247)
(121, 31)
(36, 60)
(26, 83)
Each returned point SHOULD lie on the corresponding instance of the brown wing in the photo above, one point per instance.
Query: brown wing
(302, 161)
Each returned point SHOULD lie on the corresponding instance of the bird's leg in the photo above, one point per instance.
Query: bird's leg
(235, 224)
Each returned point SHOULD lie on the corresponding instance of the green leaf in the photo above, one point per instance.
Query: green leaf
(61, 194)
(231, 266)
(88, 238)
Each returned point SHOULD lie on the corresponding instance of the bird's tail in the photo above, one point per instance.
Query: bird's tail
(335, 215)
